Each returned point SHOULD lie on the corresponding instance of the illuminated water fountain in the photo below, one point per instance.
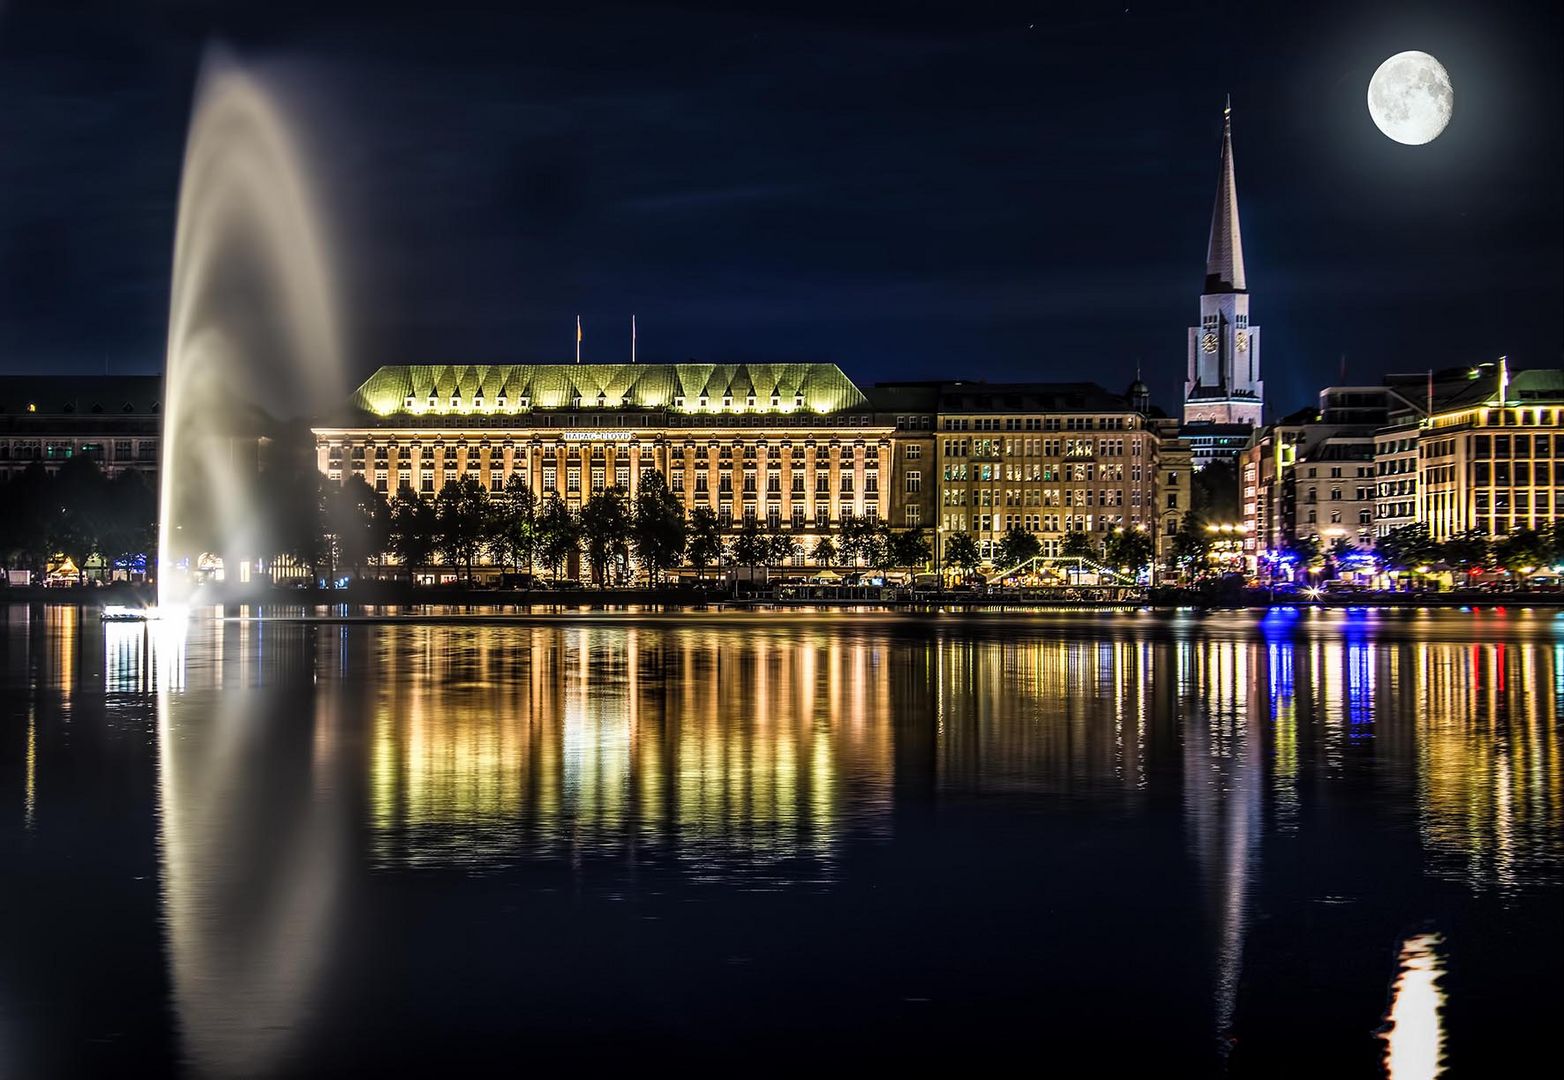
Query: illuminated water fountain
(253, 329)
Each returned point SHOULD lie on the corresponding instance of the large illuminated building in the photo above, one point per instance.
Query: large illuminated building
(798, 448)
(1491, 455)
(795, 447)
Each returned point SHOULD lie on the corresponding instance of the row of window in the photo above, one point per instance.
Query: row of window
(1051, 448)
(958, 521)
(145, 450)
(1049, 497)
(1519, 446)
(1518, 473)
(336, 453)
(1040, 472)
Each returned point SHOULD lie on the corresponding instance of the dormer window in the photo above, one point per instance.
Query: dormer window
(575, 401)
(526, 401)
(798, 401)
(749, 402)
(434, 399)
(678, 402)
(602, 399)
(456, 400)
(407, 402)
(499, 402)
(727, 401)
(776, 402)
(705, 401)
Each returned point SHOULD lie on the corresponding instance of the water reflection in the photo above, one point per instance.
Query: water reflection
(595, 741)
(1490, 781)
(253, 846)
(1414, 1028)
(304, 770)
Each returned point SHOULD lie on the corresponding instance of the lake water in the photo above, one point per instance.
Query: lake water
(1316, 844)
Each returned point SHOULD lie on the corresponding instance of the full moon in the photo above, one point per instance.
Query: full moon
(1410, 98)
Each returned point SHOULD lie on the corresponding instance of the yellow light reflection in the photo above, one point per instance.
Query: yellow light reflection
(720, 748)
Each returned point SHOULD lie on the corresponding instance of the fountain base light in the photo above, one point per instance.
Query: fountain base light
(126, 613)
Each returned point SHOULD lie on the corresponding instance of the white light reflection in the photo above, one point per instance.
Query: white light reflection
(1414, 1030)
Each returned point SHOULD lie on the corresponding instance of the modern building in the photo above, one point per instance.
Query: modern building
(1491, 455)
(115, 420)
(1223, 385)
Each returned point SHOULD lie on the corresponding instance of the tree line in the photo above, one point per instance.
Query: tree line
(78, 512)
(348, 527)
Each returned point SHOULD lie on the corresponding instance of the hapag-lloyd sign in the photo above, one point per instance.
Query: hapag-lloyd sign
(597, 436)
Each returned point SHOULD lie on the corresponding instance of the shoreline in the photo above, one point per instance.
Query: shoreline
(616, 605)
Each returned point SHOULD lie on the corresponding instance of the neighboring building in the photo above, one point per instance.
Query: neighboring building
(797, 447)
(910, 408)
(1312, 474)
(116, 420)
(1175, 491)
(1223, 384)
(1491, 454)
(1396, 472)
(1052, 458)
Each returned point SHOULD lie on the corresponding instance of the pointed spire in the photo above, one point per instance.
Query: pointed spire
(1225, 255)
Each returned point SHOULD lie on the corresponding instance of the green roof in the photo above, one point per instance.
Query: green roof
(480, 388)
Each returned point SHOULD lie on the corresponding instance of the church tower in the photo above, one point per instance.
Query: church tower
(1223, 382)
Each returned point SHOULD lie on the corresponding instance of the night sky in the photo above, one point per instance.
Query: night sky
(912, 191)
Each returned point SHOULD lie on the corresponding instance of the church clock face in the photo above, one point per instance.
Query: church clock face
(1208, 343)
(1242, 341)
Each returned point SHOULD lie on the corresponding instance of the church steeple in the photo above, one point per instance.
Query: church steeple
(1223, 382)
(1225, 254)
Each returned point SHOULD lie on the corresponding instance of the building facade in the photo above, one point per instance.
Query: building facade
(798, 448)
(1313, 475)
(115, 420)
(1222, 384)
(1489, 456)
(794, 447)
(1050, 458)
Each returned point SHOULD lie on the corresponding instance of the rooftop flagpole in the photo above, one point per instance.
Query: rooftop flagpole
(632, 339)
(578, 339)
